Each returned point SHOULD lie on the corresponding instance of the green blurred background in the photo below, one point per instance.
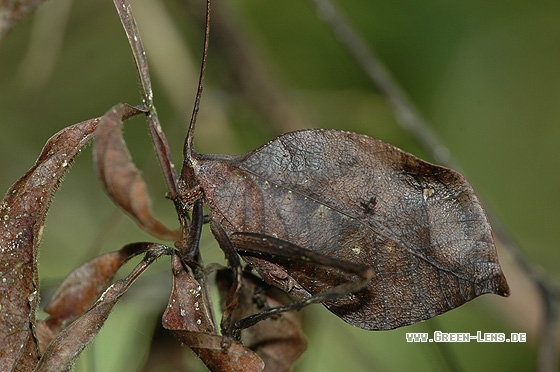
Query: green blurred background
(484, 74)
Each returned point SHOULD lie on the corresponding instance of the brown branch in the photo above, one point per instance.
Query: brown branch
(160, 141)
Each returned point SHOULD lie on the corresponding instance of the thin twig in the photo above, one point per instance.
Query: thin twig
(406, 113)
(160, 141)
(412, 121)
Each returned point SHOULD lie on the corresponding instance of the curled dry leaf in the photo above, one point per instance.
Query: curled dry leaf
(189, 317)
(120, 177)
(279, 341)
(63, 351)
(419, 226)
(22, 215)
(84, 285)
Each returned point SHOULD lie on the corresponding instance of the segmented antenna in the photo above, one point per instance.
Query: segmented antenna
(190, 133)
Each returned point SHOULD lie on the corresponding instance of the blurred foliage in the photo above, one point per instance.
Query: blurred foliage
(485, 74)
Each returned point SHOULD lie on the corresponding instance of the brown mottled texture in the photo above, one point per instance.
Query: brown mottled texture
(345, 195)
(22, 217)
(83, 286)
(189, 317)
(121, 179)
(62, 352)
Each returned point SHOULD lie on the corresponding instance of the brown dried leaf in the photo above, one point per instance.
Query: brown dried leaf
(221, 355)
(22, 215)
(83, 286)
(419, 226)
(189, 317)
(121, 179)
(188, 308)
(63, 351)
(279, 341)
